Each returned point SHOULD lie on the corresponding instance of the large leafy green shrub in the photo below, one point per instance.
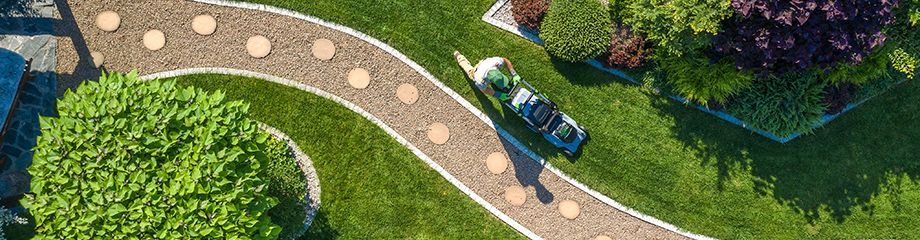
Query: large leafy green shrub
(287, 184)
(697, 79)
(675, 26)
(783, 35)
(576, 30)
(782, 105)
(149, 160)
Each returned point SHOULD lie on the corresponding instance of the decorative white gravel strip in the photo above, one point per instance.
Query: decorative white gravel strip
(466, 104)
(306, 166)
(355, 108)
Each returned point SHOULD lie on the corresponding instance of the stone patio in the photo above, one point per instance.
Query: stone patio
(26, 27)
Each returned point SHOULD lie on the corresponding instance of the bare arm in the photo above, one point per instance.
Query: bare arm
(509, 66)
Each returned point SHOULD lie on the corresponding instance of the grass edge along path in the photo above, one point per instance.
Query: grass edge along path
(853, 178)
(372, 186)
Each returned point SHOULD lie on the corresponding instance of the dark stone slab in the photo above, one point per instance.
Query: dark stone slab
(26, 27)
(12, 67)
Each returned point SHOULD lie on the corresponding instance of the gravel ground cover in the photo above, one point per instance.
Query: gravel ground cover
(463, 155)
(853, 178)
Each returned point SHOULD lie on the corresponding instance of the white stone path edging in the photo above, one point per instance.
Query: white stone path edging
(306, 167)
(355, 108)
(466, 104)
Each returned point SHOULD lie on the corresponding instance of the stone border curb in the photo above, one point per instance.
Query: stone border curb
(355, 108)
(306, 167)
(487, 17)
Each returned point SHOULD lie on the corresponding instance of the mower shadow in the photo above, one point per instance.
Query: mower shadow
(526, 170)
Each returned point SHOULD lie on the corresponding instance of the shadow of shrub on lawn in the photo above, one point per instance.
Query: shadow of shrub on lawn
(583, 74)
(320, 228)
(837, 170)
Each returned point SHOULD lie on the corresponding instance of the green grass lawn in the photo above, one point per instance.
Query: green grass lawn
(853, 178)
(372, 187)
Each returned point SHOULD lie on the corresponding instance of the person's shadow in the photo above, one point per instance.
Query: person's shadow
(526, 170)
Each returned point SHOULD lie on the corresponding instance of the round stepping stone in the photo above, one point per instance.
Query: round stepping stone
(108, 21)
(603, 237)
(258, 46)
(407, 93)
(154, 40)
(359, 78)
(569, 209)
(204, 24)
(438, 133)
(323, 49)
(98, 58)
(497, 163)
(515, 195)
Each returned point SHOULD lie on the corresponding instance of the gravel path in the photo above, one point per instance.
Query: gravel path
(464, 155)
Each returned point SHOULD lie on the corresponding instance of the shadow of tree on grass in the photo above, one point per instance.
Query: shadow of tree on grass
(837, 170)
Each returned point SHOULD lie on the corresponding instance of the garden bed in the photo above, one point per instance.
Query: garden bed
(500, 15)
(311, 199)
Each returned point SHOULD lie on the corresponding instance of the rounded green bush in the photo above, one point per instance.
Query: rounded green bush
(576, 30)
(782, 105)
(148, 160)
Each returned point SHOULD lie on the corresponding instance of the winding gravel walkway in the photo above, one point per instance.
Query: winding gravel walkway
(468, 143)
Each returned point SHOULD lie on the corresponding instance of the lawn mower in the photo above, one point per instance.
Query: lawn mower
(543, 117)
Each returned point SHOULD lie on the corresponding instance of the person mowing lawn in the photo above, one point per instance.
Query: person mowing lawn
(488, 77)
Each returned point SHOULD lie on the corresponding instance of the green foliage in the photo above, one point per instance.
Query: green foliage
(872, 68)
(911, 9)
(9, 220)
(775, 191)
(288, 185)
(874, 88)
(782, 105)
(904, 62)
(675, 26)
(697, 79)
(903, 36)
(576, 30)
(149, 160)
